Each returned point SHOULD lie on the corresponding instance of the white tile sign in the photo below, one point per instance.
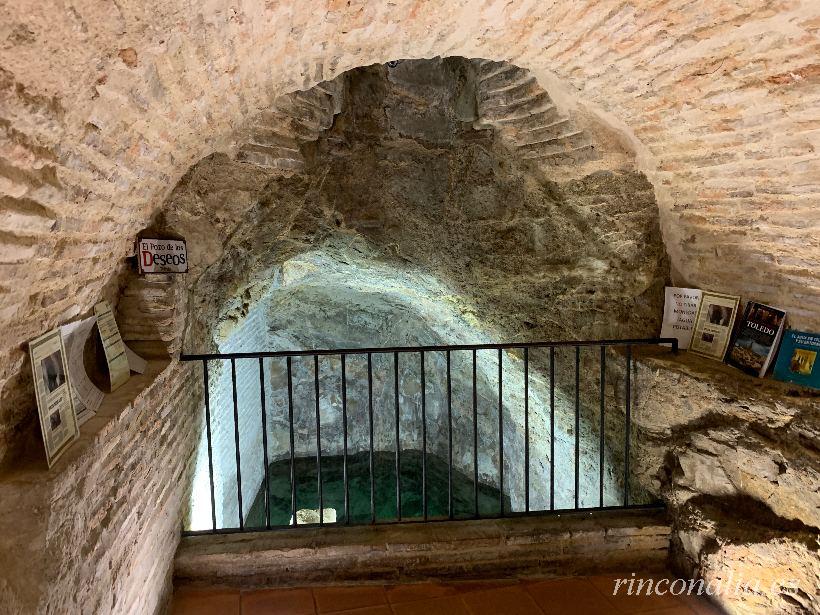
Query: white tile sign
(162, 256)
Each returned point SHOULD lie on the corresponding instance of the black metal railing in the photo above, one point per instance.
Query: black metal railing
(393, 410)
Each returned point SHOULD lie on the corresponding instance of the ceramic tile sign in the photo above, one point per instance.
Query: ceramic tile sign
(113, 346)
(55, 406)
(162, 256)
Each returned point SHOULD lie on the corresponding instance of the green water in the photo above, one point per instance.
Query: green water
(358, 468)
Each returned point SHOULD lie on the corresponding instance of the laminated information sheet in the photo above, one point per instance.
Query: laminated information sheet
(113, 345)
(86, 396)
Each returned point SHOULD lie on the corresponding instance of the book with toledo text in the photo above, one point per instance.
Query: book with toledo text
(758, 335)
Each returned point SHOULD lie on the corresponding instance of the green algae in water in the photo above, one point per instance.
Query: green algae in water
(358, 469)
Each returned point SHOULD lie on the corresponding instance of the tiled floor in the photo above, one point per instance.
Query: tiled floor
(571, 596)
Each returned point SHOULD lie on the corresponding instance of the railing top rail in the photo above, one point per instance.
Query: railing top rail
(391, 349)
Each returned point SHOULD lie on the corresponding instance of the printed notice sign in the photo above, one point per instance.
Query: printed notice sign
(53, 390)
(162, 256)
(679, 313)
(113, 345)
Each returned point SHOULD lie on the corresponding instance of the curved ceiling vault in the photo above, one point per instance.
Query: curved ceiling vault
(104, 107)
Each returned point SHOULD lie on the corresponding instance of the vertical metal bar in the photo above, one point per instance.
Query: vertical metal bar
(526, 430)
(450, 511)
(398, 442)
(475, 435)
(208, 435)
(370, 415)
(500, 434)
(344, 435)
(577, 425)
(552, 427)
(423, 438)
(236, 445)
(318, 441)
(264, 441)
(292, 447)
(628, 423)
(602, 441)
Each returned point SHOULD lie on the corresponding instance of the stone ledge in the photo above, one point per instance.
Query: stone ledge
(710, 391)
(576, 543)
(32, 467)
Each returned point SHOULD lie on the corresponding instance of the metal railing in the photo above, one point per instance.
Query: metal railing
(421, 352)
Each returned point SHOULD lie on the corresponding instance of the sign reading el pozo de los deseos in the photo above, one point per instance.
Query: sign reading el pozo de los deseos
(162, 256)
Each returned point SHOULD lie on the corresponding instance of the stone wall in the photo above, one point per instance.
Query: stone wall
(419, 229)
(344, 295)
(249, 336)
(487, 548)
(737, 461)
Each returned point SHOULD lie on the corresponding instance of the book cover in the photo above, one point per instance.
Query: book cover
(679, 311)
(757, 337)
(797, 360)
(713, 325)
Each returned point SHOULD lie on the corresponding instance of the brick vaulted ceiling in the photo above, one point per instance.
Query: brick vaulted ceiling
(104, 105)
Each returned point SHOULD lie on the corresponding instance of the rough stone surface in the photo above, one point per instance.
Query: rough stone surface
(737, 461)
(421, 230)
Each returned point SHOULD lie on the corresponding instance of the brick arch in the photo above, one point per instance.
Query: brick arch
(102, 114)
(104, 109)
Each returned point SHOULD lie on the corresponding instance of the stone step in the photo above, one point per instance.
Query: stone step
(490, 68)
(318, 119)
(512, 96)
(305, 131)
(521, 109)
(317, 99)
(529, 122)
(335, 91)
(577, 155)
(261, 135)
(513, 91)
(552, 130)
(510, 76)
(566, 142)
(565, 545)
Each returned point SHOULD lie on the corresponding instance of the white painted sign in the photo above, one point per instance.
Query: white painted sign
(680, 309)
(162, 256)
